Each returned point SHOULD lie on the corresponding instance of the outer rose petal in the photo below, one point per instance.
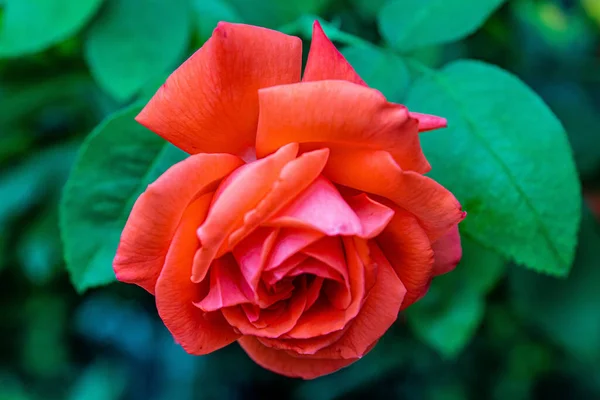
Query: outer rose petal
(282, 363)
(197, 332)
(156, 214)
(210, 103)
(303, 346)
(325, 62)
(408, 250)
(337, 114)
(376, 172)
(448, 252)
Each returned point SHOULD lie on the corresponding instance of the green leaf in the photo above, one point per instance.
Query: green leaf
(274, 13)
(115, 164)
(449, 315)
(209, 13)
(507, 159)
(565, 310)
(133, 41)
(409, 24)
(30, 26)
(380, 69)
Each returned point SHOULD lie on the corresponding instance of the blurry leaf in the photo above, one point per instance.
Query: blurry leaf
(274, 13)
(451, 311)
(115, 164)
(23, 102)
(548, 28)
(134, 40)
(566, 310)
(29, 26)
(209, 13)
(592, 8)
(575, 109)
(11, 388)
(368, 8)
(102, 380)
(44, 352)
(380, 69)
(409, 24)
(507, 159)
(39, 248)
(35, 180)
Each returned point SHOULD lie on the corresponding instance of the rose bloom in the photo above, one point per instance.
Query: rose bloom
(302, 223)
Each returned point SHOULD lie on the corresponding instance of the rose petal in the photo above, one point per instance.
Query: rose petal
(373, 216)
(303, 346)
(364, 253)
(289, 242)
(210, 103)
(337, 114)
(196, 331)
(295, 176)
(429, 122)
(313, 291)
(227, 286)
(313, 267)
(408, 249)
(329, 250)
(272, 276)
(322, 318)
(325, 62)
(282, 363)
(252, 253)
(238, 194)
(156, 213)
(376, 172)
(275, 324)
(375, 317)
(319, 207)
(447, 252)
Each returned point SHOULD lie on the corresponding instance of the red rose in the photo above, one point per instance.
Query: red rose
(306, 254)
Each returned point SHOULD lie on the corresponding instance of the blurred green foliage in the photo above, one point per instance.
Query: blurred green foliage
(491, 329)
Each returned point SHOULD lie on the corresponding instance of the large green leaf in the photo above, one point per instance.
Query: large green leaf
(507, 159)
(449, 315)
(380, 69)
(566, 311)
(410, 24)
(29, 26)
(115, 164)
(134, 40)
